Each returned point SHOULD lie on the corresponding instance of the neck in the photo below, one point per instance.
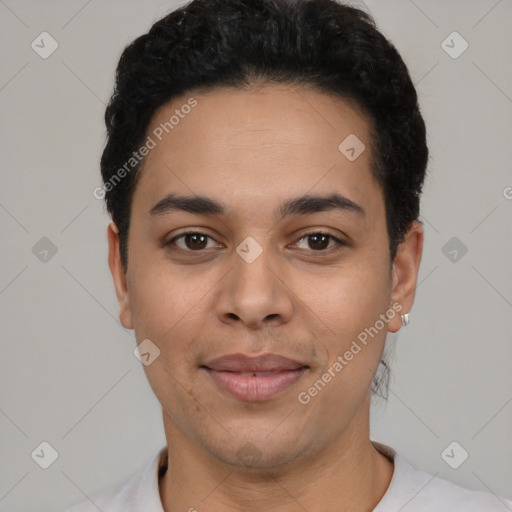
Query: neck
(346, 475)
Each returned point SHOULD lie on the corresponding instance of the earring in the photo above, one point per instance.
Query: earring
(406, 319)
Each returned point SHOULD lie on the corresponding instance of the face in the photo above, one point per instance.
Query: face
(265, 270)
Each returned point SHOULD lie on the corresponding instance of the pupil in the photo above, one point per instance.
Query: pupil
(195, 237)
(316, 237)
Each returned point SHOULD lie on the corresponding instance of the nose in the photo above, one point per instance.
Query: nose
(255, 293)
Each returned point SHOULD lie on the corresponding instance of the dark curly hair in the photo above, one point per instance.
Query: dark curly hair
(331, 47)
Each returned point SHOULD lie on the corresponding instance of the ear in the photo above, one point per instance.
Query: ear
(119, 276)
(405, 273)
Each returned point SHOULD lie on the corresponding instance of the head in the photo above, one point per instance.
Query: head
(296, 126)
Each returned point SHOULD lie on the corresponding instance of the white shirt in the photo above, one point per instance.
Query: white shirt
(410, 490)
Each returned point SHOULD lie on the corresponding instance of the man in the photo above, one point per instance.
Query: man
(263, 169)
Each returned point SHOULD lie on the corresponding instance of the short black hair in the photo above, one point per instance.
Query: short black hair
(334, 48)
(224, 43)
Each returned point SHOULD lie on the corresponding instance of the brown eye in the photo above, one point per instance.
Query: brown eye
(195, 241)
(191, 241)
(319, 242)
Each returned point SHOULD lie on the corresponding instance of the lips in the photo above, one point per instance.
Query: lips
(254, 379)
(247, 364)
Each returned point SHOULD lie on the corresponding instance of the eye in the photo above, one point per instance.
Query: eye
(191, 241)
(195, 241)
(319, 241)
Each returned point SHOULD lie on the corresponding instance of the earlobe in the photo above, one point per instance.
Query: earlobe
(405, 273)
(119, 276)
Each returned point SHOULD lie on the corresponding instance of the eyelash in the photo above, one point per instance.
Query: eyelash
(340, 243)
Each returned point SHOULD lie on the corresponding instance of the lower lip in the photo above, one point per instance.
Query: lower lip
(255, 389)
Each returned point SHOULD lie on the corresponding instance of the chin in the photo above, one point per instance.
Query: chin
(256, 451)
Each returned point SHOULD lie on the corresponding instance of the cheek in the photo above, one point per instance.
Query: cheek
(173, 308)
(347, 301)
(169, 309)
(161, 300)
(350, 304)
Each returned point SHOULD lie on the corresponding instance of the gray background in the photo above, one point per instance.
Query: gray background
(68, 374)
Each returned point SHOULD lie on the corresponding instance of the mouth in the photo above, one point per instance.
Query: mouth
(254, 379)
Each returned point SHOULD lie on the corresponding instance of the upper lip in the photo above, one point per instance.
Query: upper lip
(245, 363)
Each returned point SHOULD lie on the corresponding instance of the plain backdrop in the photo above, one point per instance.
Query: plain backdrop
(68, 373)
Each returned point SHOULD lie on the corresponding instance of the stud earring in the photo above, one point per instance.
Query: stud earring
(406, 319)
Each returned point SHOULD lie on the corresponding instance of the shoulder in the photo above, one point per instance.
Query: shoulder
(111, 499)
(140, 492)
(412, 490)
(444, 496)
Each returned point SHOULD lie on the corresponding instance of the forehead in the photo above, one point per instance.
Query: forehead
(261, 143)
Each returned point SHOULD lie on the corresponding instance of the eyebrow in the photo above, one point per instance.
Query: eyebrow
(303, 205)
